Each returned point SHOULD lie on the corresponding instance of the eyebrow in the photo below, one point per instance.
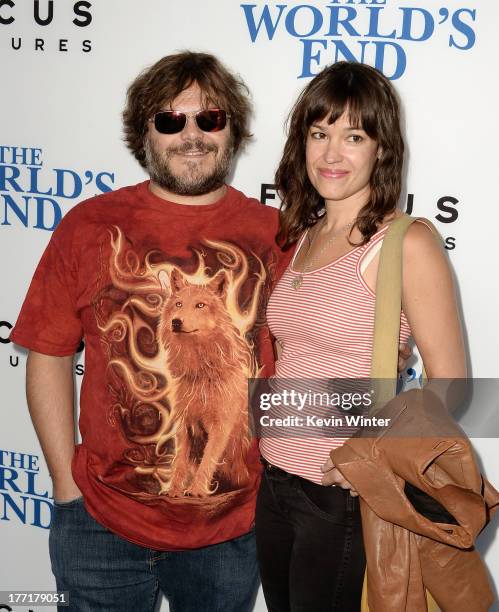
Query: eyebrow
(348, 129)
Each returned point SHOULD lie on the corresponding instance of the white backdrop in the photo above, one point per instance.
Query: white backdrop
(63, 88)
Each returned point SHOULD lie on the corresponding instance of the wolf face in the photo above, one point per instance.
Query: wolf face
(193, 312)
(197, 331)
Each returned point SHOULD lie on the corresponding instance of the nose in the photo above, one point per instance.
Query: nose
(191, 130)
(176, 325)
(333, 152)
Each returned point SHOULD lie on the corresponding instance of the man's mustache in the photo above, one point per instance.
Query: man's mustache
(194, 146)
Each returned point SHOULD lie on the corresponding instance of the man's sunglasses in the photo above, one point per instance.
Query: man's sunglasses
(173, 122)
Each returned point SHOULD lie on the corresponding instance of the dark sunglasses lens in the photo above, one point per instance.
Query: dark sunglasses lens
(211, 120)
(169, 122)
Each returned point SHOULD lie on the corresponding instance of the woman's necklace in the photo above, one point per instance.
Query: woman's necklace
(308, 264)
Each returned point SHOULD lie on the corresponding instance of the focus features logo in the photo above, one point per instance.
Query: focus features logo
(16, 16)
(367, 31)
(447, 212)
(446, 208)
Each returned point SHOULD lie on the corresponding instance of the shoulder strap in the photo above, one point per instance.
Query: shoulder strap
(388, 308)
(387, 311)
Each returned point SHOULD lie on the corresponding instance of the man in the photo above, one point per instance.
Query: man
(167, 282)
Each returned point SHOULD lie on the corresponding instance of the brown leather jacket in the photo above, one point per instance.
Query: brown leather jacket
(405, 551)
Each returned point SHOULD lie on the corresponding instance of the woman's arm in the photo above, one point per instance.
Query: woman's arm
(430, 305)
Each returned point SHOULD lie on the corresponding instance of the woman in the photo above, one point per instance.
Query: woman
(340, 181)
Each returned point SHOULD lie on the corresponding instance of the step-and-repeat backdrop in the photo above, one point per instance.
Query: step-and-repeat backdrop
(65, 67)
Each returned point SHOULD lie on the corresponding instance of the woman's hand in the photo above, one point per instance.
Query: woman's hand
(405, 353)
(333, 477)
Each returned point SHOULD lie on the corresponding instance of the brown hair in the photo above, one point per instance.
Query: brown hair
(161, 83)
(370, 100)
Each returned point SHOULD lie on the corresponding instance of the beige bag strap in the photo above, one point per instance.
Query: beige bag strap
(387, 333)
(387, 312)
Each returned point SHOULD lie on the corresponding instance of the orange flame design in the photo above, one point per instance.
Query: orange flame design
(145, 375)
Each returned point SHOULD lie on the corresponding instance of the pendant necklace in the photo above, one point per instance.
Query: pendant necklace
(297, 280)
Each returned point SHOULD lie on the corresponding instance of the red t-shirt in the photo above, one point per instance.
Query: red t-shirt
(170, 300)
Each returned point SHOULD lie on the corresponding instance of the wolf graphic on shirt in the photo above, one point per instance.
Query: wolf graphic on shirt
(179, 338)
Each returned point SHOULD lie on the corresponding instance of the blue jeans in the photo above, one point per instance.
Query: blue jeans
(310, 545)
(102, 571)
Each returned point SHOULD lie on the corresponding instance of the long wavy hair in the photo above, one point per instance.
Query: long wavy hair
(370, 100)
(157, 86)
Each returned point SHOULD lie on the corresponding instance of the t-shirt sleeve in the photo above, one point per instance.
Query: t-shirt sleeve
(284, 260)
(48, 322)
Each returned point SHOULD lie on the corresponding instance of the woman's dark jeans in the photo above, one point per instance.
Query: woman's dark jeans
(309, 543)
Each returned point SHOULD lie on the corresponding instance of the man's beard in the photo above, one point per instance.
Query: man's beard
(193, 181)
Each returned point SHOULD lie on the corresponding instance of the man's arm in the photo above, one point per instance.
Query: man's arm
(50, 393)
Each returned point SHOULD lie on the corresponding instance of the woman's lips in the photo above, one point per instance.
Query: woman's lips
(333, 174)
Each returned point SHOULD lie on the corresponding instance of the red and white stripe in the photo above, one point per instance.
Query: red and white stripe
(325, 329)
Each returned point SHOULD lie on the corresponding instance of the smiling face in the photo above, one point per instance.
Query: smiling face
(340, 159)
(191, 162)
